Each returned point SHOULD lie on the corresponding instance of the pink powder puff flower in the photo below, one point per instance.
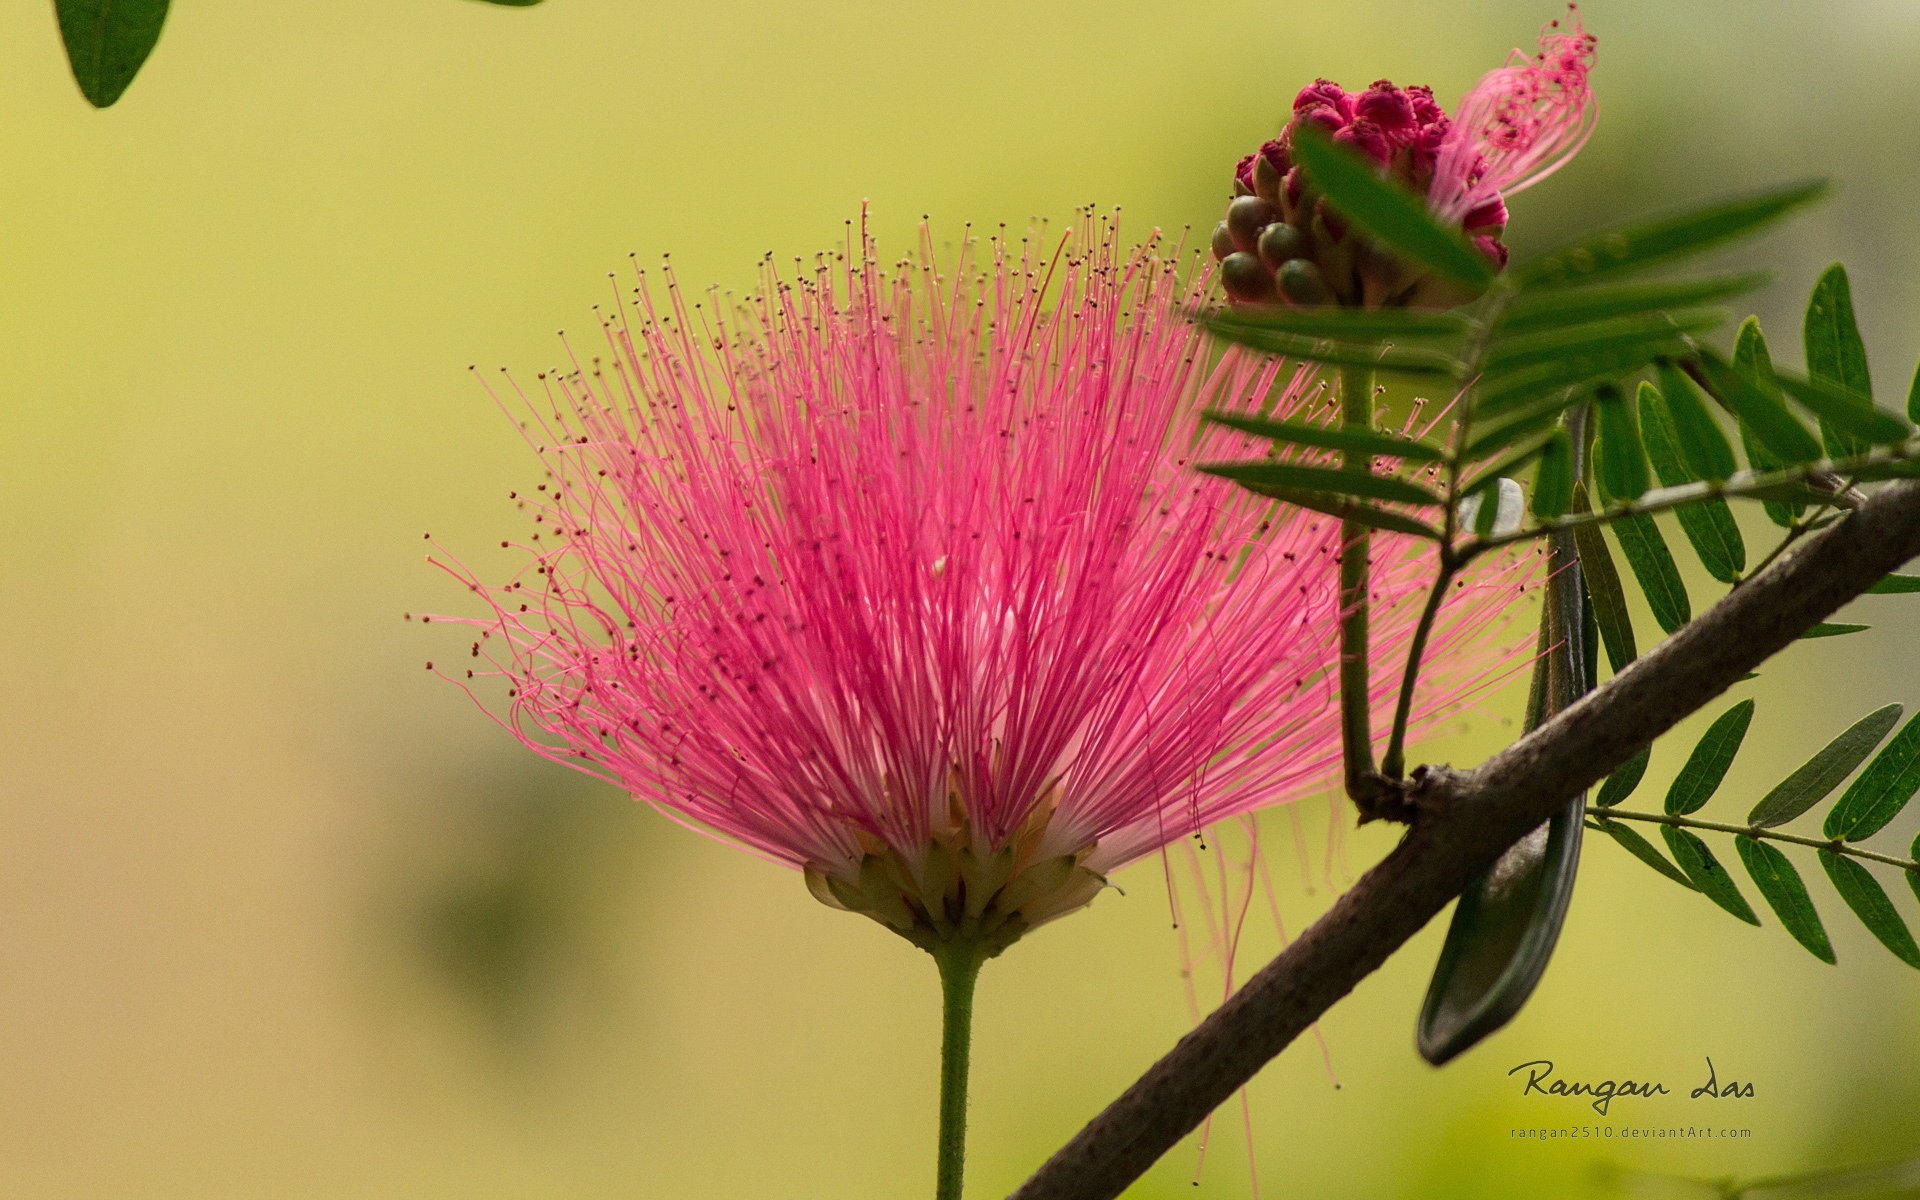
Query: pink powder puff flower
(1519, 124)
(904, 579)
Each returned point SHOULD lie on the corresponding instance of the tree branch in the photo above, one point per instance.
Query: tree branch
(1466, 820)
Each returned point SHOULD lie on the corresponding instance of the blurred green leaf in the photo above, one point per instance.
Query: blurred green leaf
(1509, 917)
(1653, 567)
(1509, 461)
(1707, 765)
(1346, 509)
(1542, 309)
(1709, 525)
(1511, 391)
(1835, 352)
(1531, 420)
(1882, 790)
(1388, 211)
(1870, 903)
(1895, 585)
(1640, 246)
(1832, 629)
(1336, 480)
(1357, 325)
(1259, 335)
(1625, 778)
(1784, 892)
(1645, 851)
(1651, 337)
(1329, 437)
(1619, 458)
(1553, 480)
(1706, 872)
(1913, 397)
(108, 41)
(1750, 355)
(1819, 775)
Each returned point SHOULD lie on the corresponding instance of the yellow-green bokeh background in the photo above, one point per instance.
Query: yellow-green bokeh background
(282, 916)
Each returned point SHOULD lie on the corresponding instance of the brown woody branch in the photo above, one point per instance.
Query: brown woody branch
(1463, 822)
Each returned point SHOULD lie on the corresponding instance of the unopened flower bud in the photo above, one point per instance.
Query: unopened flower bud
(1222, 241)
(1302, 283)
(1270, 167)
(1324, 92)
(1246, 217)
(1247, 279)
(1368, 139)
(1278, 243)
(1386, 106)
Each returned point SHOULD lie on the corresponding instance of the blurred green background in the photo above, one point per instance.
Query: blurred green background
(282, 915)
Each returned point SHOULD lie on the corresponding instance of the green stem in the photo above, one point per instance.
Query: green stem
(959, 970)
(1356, 736)
(1754, 831)
(1393, 765)
(1740, 485)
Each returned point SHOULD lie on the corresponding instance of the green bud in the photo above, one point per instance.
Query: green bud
(1302, 283)
(1278, 243)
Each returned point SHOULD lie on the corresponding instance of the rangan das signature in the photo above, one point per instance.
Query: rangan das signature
(1540, 1081)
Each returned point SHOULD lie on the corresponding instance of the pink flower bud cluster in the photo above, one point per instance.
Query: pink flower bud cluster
(1283, 243)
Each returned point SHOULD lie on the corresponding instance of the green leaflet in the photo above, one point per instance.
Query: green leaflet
(1620, 458)
(1653, 566)
(1781, 887)
(1835, 352)
(1913, 396)
(1508, 462)
(1254, 333)
(1516, 390)
(1644, 850)
(1852, 417)
(1895, 585)
(1811, 782)
(1702, 445)
(1869, 902)
(1625, 778)
(1708, 763)
(1359, 325)
(107, 42)
(1346, 509)
(1604, 588)
(1560, 308)
(1388, 211)
(1639, 246)
(1553, 479)
(1881, 791)
(1750, 355)
(1527, 421)
(1650, 336)
(1706, 872)
(1709, 524)
(1832, 629)
(1335, 480)
(1755, 400)
(1329, 437)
